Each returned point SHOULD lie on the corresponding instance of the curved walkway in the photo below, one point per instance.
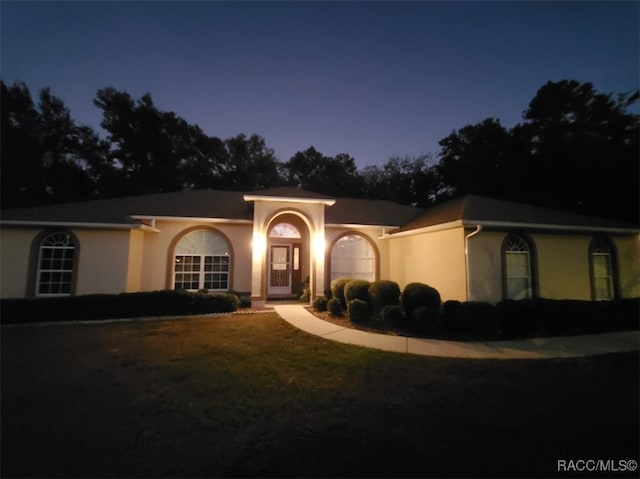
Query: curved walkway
(535, 348)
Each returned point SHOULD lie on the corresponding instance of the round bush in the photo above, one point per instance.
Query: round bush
(383, 293)
(428, 320)
(337, 290)
(320, 303)
(357, 289)
(392, 314)
(334, 307)
(416, 295)
(359, 311)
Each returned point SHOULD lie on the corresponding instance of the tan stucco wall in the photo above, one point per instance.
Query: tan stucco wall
(156, 270)
(628, 249)
(15, 248)
(436, 258)
(562, 265)
(103, 261)
(134, 269)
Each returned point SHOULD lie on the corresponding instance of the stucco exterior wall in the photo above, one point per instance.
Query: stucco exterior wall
(103, 261)
(157, 254)
(435, 258)
(134, 269)
(628, 249)
(562, 262)
(15, 249)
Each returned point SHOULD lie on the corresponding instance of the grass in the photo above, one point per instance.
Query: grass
(249, 395)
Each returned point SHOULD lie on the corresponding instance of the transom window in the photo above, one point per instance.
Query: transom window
(602, 279)
(517, 258)
(55, 265)
(284, 230)
(202, 261)
(353, 257)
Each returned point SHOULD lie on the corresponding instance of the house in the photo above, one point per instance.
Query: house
(268, 243)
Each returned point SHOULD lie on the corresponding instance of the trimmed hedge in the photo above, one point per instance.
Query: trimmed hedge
(383, 293)
(111, 306)
(357, 289)
(549, 317)
(337, 290)
(416, 295)
(527, 318)
(320, 303)
(334, 307)
(359, 311)
(393, 314)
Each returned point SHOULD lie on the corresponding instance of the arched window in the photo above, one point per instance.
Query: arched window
(603, 269)
(284, 230)
(353, 257)
(56, 264)
(202, 260)
(519, 278)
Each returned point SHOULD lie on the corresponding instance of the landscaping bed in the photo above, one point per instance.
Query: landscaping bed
(418, 312)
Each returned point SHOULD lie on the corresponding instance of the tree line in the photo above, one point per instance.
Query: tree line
(576, 149)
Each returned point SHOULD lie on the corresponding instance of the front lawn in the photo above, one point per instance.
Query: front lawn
(249, 395)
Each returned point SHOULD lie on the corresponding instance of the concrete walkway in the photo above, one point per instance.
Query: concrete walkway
(536, 348)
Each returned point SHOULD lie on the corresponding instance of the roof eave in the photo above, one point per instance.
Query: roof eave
(551, 227)
(79, 224)
(289, 199)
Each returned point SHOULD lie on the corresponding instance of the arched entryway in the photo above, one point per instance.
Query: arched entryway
(287, 258)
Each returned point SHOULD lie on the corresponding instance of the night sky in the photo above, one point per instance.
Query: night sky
(371, 79)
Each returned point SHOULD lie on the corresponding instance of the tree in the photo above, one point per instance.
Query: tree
(154, 151)
(45, 155)
(583, 149)
(333, 176)
(251, 164)
(406, 180)
(483, 159)
(576, 149)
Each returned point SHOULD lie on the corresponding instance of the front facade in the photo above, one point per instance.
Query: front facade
(275, 243)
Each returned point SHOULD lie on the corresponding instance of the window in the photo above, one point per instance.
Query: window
(603, 281)
(284, 230)
(56, 265)
(353, 257)
(202, 260)
(517, 268)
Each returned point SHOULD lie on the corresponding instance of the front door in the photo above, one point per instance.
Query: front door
(280, 269)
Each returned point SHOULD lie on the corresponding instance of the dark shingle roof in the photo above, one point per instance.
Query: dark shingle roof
(473, 209)
(208, 204)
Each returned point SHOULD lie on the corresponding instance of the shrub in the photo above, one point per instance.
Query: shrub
(393, 314)
(428, 320)
(111, 306)
(419, 294)
(359, 311)
(337, 290)
(383, 293)
(357, 289)
(320, 303)
(334, 307)
(475, 320)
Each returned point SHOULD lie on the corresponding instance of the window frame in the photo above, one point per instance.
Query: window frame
(596, 242)
(374, 249)
(533, 265)
(202, 270)
(37, 249)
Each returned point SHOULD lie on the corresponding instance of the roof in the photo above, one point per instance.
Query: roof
(126, 212)
(215, 204)
(479, 210)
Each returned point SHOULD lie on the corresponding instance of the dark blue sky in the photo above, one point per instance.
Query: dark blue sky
(372, 79)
